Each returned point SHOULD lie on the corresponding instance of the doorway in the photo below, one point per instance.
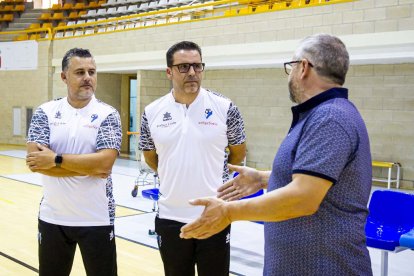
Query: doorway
(133, 117)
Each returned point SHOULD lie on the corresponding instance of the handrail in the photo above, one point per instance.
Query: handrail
(170, 12)
(32, 31)
(216, 13)
(145, 14)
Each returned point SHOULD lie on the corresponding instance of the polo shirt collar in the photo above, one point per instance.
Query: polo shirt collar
(83, 109)
(200, 95)
(336, 92)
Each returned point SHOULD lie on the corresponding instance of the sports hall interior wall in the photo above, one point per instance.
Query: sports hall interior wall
(382, 92)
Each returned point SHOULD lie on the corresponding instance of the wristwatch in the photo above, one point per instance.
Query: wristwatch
(58, 160)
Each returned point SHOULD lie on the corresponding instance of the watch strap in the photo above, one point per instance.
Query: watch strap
(58, 160)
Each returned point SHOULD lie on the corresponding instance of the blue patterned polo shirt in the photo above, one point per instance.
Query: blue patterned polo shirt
(76, 200)
(327, 139)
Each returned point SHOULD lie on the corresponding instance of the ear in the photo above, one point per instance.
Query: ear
(306, 68)
(63, 77)
(169, 73)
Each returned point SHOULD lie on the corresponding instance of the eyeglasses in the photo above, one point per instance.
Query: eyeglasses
(288, 65)
(185, 67)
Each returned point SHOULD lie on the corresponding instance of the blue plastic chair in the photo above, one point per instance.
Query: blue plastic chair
(407, 240)
(391, 215)
(259, 193)
(152, 194)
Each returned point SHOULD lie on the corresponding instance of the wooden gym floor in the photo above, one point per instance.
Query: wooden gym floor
(20, 195)
(19, 203)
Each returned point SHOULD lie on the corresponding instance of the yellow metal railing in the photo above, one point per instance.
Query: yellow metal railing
(174, 15)
(30, 34)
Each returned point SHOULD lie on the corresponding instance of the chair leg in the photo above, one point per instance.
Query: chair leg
(389, 178)
(398, 176)
(384, 263)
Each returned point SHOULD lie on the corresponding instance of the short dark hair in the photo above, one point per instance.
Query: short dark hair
(75, 52)
(183, 45)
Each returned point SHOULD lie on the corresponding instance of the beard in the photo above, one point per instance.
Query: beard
(85, 94)
(293, 92)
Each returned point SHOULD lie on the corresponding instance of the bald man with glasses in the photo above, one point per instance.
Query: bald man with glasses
(189, 136)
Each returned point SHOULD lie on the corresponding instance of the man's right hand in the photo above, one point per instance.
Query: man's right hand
(249, 181)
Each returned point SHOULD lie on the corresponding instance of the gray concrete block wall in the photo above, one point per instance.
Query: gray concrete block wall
(383, 93)
(23, 89)
(380, 92)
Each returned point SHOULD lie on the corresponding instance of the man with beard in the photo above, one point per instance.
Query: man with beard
(188, 136)
(316, 205)
(73, 142)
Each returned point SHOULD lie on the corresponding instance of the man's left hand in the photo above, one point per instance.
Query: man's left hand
(214, 219)
(41, 160)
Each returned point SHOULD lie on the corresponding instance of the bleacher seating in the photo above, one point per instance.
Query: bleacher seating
(45, 17)
(89, 31)
(262, 8)
(14, 2)
(132, 9)
(78, 33)
(297, 4)
(34, 36)
(19, 9)
(72, 15)
(90, 13)
(109, 3)
(57, 16)
(22, 37)
(56, 7)
(34, 26)
(152, 5)
(79, 6)
(7, 18)
(101, 13)
(67, 6)
(93, 5)
(47, 25)
(118, 15)
(6, 9)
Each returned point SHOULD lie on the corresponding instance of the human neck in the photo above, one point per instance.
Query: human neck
(78, 104)
(315, 88)
(185, 98)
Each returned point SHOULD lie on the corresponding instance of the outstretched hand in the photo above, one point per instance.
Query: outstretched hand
(246, 183)
(214, 219)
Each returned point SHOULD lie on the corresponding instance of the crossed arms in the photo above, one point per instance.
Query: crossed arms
(41, 159)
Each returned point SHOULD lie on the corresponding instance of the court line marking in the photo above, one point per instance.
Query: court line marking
(7, 201)
(19, 262)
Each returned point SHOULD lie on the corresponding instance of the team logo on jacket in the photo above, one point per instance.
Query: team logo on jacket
(208, 112)
(167, 117)
(94, 117)
(58, 115)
